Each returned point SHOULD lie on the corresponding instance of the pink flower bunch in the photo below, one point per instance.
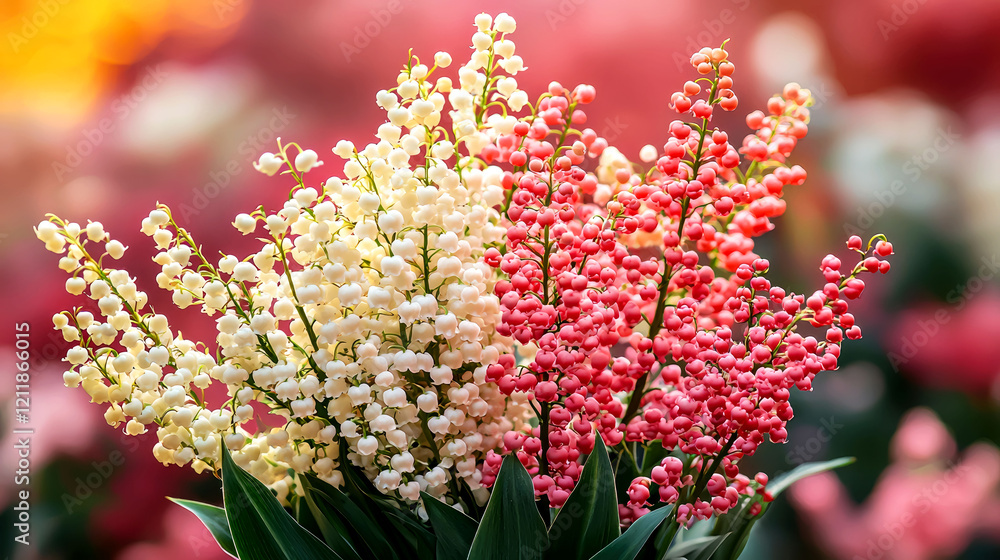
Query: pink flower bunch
(733, 390)
(641, 311)
(571, 293)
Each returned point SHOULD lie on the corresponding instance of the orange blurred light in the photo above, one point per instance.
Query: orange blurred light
(61, 56)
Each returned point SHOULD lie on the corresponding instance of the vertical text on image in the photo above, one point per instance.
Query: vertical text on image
(22, 433)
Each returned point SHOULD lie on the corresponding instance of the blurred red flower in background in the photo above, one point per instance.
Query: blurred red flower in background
(927, 504)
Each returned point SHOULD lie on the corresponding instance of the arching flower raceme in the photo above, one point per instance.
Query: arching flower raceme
(661, 261)
(366, 320)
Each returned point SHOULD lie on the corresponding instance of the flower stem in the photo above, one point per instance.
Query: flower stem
(635, 399)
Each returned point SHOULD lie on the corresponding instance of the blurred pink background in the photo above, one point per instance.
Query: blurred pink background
(108, 107)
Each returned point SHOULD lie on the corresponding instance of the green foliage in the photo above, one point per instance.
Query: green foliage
(366, 525)
(588, 521)
(215, 521)
(700, 548)
(633, 541)
(356, 522)
(261, 528)
(454, 530)
(511, 528)
(738, 520)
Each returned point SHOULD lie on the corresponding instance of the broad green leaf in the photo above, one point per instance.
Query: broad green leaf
(700, 528)
(739, 522)
(511, 528)
(357, 486)
(733, 547)
(417, 541)
(261, 528)
(371, 531)
(411, 538)
(214, 519)
(420, 539)
(630, 544)
(334, 531)
(588, 521)
(454, 530)
(304, 517)
(697, 548)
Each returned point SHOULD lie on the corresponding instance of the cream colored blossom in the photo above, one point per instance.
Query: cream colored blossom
(365, 320)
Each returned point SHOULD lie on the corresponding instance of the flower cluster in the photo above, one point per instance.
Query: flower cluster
(366, 321)
(658, 261)
(378, 320)
(572, 292)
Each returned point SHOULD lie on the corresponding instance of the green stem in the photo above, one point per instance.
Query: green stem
(666, 535)
(543, 459)
(635, 399)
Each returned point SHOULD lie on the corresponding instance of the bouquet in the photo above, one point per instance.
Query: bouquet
(492, 335)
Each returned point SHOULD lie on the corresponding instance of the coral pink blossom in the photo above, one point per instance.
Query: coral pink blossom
(660, 262)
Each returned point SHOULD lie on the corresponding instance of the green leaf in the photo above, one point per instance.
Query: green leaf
(366, 525)
(653, 456)
(699, 529)
(214, 519)
(588, 521)
(628, 546)
(625, 471)
(410, 537)
(454, 530)
(418, 542)
(262, 529)
(356, 483)
(782, 482)
(304, 517)
(697, 548)
(511, 527)
(388, 530)
(739, 522)
(334, 531)
(419, 538)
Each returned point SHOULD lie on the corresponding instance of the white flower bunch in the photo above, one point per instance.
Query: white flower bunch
(365, 321)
